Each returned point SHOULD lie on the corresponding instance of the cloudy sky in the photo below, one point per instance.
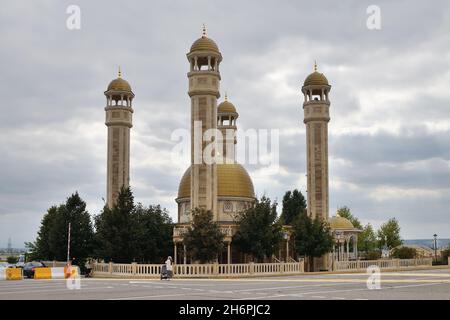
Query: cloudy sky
(389, 134)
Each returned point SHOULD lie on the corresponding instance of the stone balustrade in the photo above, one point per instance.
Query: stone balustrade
(362, 265)
(135, 270)
(180, 231)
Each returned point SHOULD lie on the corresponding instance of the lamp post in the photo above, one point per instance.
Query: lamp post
(435, 247)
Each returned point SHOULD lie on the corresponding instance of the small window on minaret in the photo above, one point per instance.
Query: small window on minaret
(228, 206)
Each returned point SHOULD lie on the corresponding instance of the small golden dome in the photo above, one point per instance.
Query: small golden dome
(226, 107)
(204, 44)
(232, 181)
(340, 223)
(316, 79)
(119, 84)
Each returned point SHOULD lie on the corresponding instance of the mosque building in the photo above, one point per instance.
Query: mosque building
(226, 188)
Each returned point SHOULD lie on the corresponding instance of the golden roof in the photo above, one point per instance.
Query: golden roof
(204, 44)
(226, 107)
(316, 79)
(340, 223)
(119, 84)
(232, 181)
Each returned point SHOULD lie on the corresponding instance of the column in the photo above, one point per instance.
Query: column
(348, 249)
(287, 250)
(184, 253)
(175, 252)
(229, 253)
(355, 246)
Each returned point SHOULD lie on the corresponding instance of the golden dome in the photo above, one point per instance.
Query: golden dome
(232, 181)
(204, 44)
(119, 84)
(340, 223)
(226, 107)
(316, 79)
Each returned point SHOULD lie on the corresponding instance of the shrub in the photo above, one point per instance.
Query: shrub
(11, 260)
(373, 255)
(445, 254)
(404, 253)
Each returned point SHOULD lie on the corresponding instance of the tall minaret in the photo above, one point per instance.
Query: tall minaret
(119, 122)
(316, 107)
(204, 81)
(226, 118)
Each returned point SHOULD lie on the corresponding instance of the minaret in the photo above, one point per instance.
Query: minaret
(316, 107)
(226, 122)
(119, 122)
(204, 81)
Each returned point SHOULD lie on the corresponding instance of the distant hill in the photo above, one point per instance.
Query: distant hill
(441, 243)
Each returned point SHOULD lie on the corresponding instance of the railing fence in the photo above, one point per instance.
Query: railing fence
(382, 264)
(197, 270)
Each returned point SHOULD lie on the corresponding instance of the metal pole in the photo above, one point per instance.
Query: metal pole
(68, 244)
(435, 247)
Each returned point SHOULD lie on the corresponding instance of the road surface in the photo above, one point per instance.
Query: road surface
(425, 284)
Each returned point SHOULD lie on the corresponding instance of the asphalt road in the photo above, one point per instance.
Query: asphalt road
(429, 284)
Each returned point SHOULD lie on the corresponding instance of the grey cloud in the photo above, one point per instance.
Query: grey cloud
(53, 139)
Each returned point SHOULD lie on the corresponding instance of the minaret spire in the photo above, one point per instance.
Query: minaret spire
(118, 96)
(204, 53)
(316, 105)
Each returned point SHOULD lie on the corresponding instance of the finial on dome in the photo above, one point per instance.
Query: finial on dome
(204, 31)
(315, 66)
(226, 96)
(120, 73)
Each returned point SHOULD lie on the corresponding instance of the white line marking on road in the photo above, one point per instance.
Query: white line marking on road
(262, 297)
(295, 287)
(65, 289)
(145, 297)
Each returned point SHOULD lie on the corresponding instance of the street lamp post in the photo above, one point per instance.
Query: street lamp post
(435, 247)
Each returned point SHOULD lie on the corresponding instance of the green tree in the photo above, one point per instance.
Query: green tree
(51, 242)
(367, 239)
(294, 203)
(40, 249)
(259, 233)
(389, 234)
(154, 233)
(404, 253)
(204, 240)
(345, 212)
(313, 238)
(81, 233)
(117, 230)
